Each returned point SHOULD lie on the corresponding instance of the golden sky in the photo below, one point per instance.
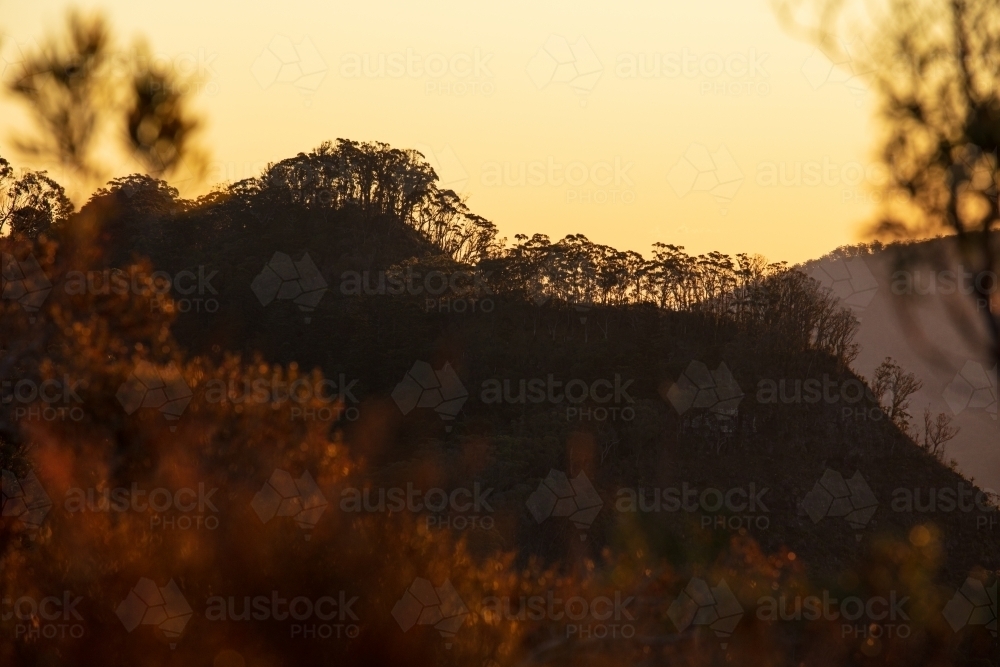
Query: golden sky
(701, 124)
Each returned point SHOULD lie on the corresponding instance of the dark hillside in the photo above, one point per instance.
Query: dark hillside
(344, 333)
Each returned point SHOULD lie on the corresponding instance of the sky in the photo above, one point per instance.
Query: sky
(701, 124)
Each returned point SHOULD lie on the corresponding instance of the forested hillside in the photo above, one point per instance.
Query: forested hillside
(602, 423)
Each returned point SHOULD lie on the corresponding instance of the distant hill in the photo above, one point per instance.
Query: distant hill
(913, 304)
(379, 310)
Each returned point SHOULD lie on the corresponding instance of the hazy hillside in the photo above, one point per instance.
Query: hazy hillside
(913, 304)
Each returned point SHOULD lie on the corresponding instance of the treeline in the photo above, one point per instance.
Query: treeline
(377, 181)
(380, 192)
(745, 291)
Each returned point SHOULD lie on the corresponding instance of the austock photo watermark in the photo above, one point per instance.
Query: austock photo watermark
(457, 74)
(456, 292)
(733, 509)
(974, 388)
(858, 182)
(460, 508)
(947, 282)
(185, 508)
(22, 280)
(327, 617)
(51, 400)
(23, 500)
(698, 386)
(184, 73)
(839, 497)
(163, 607)
(577, 617)
(423, 603)
(424, 387)
(811, 391)
(850, 280)
(848, 64)
(733, 74)
(717, 608)
(852, 498)
(584, 182)
(287, 62)
(335, 616)
(164, 388)
(450, 171)
(874, 617)
(283, 495)
(558, 496)
(300, 395)
(614, 403)
(704, 605)
(29, 618)
(718, 173)
(287, 279)
(982, 504)
(558, 62)
(13, 55)
(974, 604)
(576, 64)
(189, 290)
(702, 169)
(307, 618)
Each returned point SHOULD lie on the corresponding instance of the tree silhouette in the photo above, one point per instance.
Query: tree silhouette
(80, 91)
(934, 66)
(66, 91)
(30, 204)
